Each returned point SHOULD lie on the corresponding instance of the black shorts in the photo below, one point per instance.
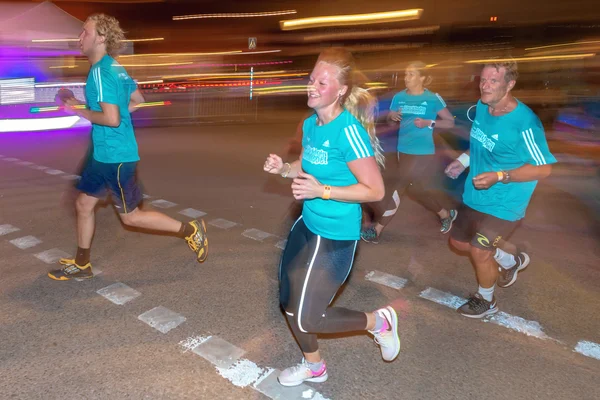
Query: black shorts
(483, 231)
(97, 179)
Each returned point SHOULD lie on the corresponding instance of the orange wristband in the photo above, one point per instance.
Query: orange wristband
(326, 192)
(500, 176)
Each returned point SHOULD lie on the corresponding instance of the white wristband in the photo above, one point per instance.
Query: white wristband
(464, 159)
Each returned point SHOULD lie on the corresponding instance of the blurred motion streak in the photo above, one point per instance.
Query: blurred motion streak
(234, 15)
(353, 19)
(530, 59)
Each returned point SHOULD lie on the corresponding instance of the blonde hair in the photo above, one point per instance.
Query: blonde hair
(358, 101)
(109, 27)
(422, 69)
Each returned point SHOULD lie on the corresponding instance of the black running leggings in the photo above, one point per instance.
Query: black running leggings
(406, 173)
(312, 271)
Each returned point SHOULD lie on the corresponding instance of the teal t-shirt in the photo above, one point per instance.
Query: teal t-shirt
(411, 139)
(108, 82)
(327, 150)
(505, 143)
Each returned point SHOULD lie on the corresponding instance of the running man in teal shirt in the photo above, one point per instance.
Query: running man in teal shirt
(508, 155)
(410, 169)
(111, 96)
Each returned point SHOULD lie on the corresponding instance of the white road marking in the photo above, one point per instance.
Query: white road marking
(443, 298)
(530, 328)
(26, 242)
(256, 234)
(119, 293)
(192, 342)
(192, 213)
(242, 373)
(25, 163)
(7, 228)
(219, 352)
(52, 256)
(386, 279)
(518, 324)
(54, 171)
(222, 223)
(163, 203)
(281, 244)
(588, 349)
(162, 319)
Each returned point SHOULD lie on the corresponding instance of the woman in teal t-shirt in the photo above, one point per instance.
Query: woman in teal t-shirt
(337, 170)
(418, 111)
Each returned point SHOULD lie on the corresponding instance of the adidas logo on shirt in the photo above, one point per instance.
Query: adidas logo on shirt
(495, 136)
(424, 103)
(326, 144)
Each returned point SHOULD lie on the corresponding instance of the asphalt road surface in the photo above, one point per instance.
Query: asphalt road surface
(155, 324)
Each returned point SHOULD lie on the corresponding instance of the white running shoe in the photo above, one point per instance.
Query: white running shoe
(298, 374)
(388, 339)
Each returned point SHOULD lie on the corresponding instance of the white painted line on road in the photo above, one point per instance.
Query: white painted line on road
(162, 319)
(71, 177)
(530, 328)
(192, 342)
(443, 298)
(26, 242)
(256, 234)
(192, 213)
(163, 203)
(219, 352)
(52, 256)
(146, 196)
(39, 167)
(1, 156)
(386, 279)
(222, 223)
(54, 171)
(11, 159)
(7, 228)
(243, 373)
(119, 293)
(588, 349)
(281, 244)
(518, 324)
(25, 163)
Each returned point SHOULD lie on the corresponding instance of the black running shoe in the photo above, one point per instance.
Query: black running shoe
(509, 276)
(478, 307)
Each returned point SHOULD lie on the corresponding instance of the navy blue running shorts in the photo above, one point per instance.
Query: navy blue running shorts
(97, 179)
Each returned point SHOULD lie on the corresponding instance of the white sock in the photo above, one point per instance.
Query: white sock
(506, 260)
(487, 294)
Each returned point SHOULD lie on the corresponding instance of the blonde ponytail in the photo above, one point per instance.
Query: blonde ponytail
(361, 104)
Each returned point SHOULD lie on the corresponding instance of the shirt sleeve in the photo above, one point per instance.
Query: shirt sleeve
(394, 103)
(107, 86)
(532, 147)
(438, 103)
(355, 143)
